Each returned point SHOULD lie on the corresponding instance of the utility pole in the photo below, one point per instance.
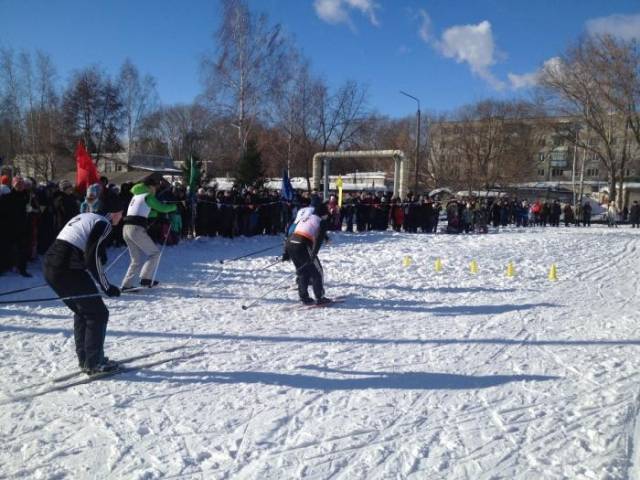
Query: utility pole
(417, 163)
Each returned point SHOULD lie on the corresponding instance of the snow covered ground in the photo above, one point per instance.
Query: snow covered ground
(416, 375)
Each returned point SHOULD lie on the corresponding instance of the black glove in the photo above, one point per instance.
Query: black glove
(113, 291)
(286, 257)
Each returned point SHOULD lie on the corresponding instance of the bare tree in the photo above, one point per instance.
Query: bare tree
(139, 98)
(41, 113)
(93, 110)
(50, 115)
(585, 85)
(250, 66)
(342, 115)
(487, 145)
(297, 113)
(29, 113)
(442, 159)
(10, 114)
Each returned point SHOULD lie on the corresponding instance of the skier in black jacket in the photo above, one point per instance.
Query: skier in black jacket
(71, 266)
(302, 247)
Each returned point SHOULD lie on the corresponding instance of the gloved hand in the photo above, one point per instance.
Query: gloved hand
(285, 257)
(113, 291)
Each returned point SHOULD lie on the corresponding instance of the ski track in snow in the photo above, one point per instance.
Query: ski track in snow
(417, 374)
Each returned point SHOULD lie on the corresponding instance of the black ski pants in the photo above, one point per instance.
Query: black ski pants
(308, 270)
(90, 314)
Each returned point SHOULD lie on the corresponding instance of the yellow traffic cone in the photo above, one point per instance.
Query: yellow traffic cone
(553, 273)
(511, 271)
(406, 261)
(438, 265)
(473, 267)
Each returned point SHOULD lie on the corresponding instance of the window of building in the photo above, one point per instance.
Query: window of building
(556, 172)
(541, 172)
(559, 158)
(541, 156)
(558, 141)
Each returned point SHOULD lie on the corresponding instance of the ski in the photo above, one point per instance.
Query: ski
(100, 376)
(70, 375)
(322, 305)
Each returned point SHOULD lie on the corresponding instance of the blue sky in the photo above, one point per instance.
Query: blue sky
(447, 53)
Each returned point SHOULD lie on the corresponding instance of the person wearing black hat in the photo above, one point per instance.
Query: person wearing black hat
(302, 247)
(72, 267)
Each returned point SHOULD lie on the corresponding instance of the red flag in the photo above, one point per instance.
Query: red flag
(86, 171)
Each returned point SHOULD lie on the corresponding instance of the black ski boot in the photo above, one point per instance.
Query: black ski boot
(323, 301)
(145, 282)
(104, 366)
(307, 301)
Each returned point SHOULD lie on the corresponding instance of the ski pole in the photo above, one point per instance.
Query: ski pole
(250, 254)
(256, 300)
(116, 259)
(288, 277)
(164, 244)
(270, 265)
(22, 290)
(51, 299)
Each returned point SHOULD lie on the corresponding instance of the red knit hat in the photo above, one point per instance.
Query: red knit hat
(4, 180)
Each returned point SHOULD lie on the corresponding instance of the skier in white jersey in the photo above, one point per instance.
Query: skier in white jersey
(302, 247)
(72, 267)
(145, 255)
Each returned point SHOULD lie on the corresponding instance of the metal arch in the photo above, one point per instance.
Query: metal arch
(400, 177)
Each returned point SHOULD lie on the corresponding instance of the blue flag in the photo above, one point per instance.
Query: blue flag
(286, 191)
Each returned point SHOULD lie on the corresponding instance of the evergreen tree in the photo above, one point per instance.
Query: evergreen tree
(250, 171)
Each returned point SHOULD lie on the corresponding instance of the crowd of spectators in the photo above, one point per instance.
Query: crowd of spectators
(34, 214)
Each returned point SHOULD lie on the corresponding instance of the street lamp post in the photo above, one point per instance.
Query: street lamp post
(417, 164)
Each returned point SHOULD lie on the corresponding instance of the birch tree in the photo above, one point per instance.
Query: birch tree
(250, 66)
(139, 98)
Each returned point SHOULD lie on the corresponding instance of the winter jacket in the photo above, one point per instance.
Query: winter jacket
(152, 202)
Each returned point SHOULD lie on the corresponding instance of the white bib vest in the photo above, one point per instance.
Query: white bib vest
(77, 230)
(138, 206)
(303, 213)
(308, 227)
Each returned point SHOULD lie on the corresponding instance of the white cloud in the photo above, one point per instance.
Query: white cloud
(425, 26)
(337, 11)
(531, 79)
(523, 81)
(331, 11)
(625, 27)
(473, 45)
(366, 7)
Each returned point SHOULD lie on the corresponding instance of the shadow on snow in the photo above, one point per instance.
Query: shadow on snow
(367, 380)
(322, 340)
